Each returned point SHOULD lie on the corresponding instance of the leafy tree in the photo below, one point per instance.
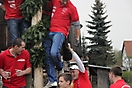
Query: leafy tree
(127, 76)
(118, 58)
(100, 49)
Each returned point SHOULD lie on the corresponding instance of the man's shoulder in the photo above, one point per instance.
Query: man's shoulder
(126, 86)
(4, 52)
(25, 52)
(113, 85)
(120, 84)
(84, 75)
(71, 5)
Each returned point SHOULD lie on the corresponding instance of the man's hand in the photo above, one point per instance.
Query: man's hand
(6, 74)
(69, 47)
(20, 72)
(2, 6)
(77, 42)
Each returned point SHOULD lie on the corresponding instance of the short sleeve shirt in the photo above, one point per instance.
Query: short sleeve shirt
(11, 63)
(62, 16)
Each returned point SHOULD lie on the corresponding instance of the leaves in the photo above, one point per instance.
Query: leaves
(35, 34)
(33, 37)
(37, 55)
(30, 7)
(127, 76)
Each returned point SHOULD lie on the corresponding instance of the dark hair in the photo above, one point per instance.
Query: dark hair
(67, 77)
(18, 42)
(116, 70)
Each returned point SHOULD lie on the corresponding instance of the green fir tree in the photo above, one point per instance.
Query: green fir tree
(84, 49)
(100, 49)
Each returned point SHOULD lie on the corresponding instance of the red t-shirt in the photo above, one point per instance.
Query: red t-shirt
(62, 16)
(120, 84)
(82, 81)
(12, 8)
(10, 63)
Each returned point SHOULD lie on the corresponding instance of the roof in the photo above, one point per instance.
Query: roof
(127, 45)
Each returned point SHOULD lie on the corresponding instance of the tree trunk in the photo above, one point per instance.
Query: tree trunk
(38, 77)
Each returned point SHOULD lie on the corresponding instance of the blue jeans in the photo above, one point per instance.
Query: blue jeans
(53, 43)
(16, 28)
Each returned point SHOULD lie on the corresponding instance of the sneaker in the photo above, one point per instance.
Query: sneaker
(50, 84)
(58, 63)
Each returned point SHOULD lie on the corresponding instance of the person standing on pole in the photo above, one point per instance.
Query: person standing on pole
(63, 14)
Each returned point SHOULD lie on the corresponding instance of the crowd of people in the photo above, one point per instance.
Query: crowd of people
(15, 61)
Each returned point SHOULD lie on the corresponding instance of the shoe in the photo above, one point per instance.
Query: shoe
(58, 63)
(59, 66)
(50, 84)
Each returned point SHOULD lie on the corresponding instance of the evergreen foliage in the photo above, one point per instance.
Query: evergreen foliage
(30, 7)
(84, 49)
(33, 37)
(35, 34)
(100, 49)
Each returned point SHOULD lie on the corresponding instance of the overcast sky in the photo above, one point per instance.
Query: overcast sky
(119, 13)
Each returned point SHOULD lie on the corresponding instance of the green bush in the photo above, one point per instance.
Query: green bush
(127, 76)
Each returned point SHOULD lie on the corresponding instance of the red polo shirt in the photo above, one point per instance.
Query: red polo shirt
(62, 16)
(12, 8)
(10, 63)
(120, 84)
(82, 81)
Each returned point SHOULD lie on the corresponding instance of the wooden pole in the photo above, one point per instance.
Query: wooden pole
(38, 72)
(37, 17)
(38, 77)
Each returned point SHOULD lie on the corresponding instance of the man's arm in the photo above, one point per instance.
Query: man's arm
(24, 72)
(78, 34)
(2, 6)
(4, 74)
(77, 59)
(28, 71)
(77, 30)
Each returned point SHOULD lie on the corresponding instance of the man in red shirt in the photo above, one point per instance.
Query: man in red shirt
(115, 77)
(63, 14)
(15, 21)
(15, 65)
(79, 74)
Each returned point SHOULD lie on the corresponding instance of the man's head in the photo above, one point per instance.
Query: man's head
(115, 73)
(64, 2)
(74, 70)
(65, 80)
(18, 45)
